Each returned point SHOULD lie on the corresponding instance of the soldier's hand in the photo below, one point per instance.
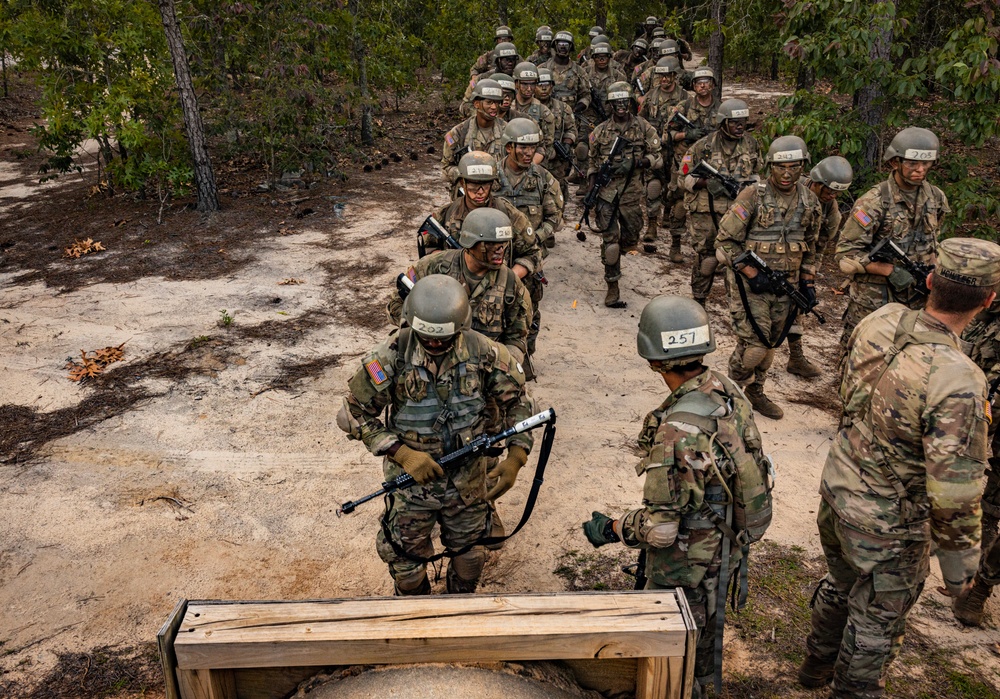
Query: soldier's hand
(506, 471)
(808, 289)
(418, 464)
(900, 279)
(600, 530)
(693, 134)
(759, 284)
(644, 163)
(715, 188)
(579, 108)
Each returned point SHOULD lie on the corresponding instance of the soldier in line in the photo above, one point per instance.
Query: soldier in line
(506, 83)
(629, 58)
(572, 85)
(618, 210)
(905, 470)
(700, 109)
(437, 360)
(779, 219)
(705, 428)
(657, 109)
(905, 207)
(601, 74)
(733, 152)
(525, 105)
(543, 40)
(565, 131)
(505, 60)
(486, 61)
(480, 132)
(596, 36)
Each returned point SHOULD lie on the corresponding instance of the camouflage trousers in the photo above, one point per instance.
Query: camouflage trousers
(989, 562)
(664, 195)
(536, 289)
(869, 292)
(702, 231)
(411, 520)
(750, 360)
(859, 609)
(618, 232)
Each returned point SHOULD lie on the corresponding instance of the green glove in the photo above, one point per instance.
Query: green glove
(600, 530)
(900, 279)
(418, 464)
(624, 167)
(506, 471)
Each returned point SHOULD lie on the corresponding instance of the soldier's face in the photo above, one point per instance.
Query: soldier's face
(785, 175)
(601, 61)
(638, 51)
(826, 195)
(736, 127)
(544, 46)
(477, 193)
(436, 346)
(703, 86)
(526, 90)
(489, 108)
(914, 172)
(620, 107)
(521, 153)
(543, 90)
(561, 48)
(668, 81)
(506, 64)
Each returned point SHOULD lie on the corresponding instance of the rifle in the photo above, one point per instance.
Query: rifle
(563, 152)
(457, 155)
(602, 180)
(732, 185)
(886, 250)
(639, 87)
(778, 281)
(404, 285)
(482, 445)
(435, 230)
(685, 122)
(597, 102)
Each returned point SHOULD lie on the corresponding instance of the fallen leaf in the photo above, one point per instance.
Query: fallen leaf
(290, 280)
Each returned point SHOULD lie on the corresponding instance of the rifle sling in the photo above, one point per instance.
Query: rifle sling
(793, 313)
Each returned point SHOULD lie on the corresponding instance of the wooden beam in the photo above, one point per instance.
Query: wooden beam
(207, 684)
(165, 642)
(651, 678)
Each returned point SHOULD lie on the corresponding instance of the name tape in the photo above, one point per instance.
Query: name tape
(838, 186)
(433, 329)
(668, 51)
(919, 154)
(492, 92)
(784, 156)
(617, 96)
(740, 113)
(506, 84)
(528, 75)
(663, 69)
(480, 170)
(564, 36)
(529, 138)
(507, 52)
(703, 73)
(504, 232)
(544, 37)
(675, 339)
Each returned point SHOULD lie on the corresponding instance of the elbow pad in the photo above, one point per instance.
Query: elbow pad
(849, 265)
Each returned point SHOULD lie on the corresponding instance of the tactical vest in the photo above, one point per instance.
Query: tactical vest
(779, 241)
(658, 107)
(526, 196)
(913, 236)
(533, 111)
(495, 293)
(565, 82)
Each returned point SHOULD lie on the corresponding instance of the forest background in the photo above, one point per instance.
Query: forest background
(289, 86)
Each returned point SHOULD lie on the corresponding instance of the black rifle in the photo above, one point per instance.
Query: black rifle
(886, 250)
(564, 153)
(732, 185)
(778, 282)
(684, 121)
(602, 180)
(431, 227)
(457, 155)
(597, 102)
(404, 285)
(481, 445)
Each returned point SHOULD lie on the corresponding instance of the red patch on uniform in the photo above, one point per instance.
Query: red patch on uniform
(741, 212)
(591, 136)
(686, 164)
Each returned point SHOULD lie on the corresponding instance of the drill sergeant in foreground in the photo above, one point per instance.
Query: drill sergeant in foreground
(705, 428)
(535, 193)
(565, 132)
(435, 377)
(905, 470)
(661, 184)
(906, 208)
(485, 62)
(733, 152)
(619, 206)
(525, 105)
(480, 132)
(779, 220)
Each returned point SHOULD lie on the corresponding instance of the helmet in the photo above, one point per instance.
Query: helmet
(732, 109)
(652, 21)
(563, 36)
(477, 166)
(655, 44)
(521, 130)
(787, 149)
(596, 30)
(641, 43)
(601, 49)
(503, 32)
(526, 71)
(437, 307)
(487, 89)
(600, 39)
(485, 225)
(833, 172)
(504, 81)
(505, 49)
(913, 143)
(673, 327)
(659, 31)
(667, 64)
(703, 72)
(543, 33)
(669, 48)
(619, 91)
(545, 76)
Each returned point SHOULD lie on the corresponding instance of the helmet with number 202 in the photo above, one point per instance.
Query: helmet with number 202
(672, 328)
(913, 143)
(437, 307)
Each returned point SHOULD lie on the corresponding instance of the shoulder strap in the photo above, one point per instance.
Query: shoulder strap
(402, 342)
(695, 408)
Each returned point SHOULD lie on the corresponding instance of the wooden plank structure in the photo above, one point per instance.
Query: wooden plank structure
(612, 641)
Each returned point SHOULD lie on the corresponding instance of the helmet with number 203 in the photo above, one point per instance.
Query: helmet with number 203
(674, 327)
(437, 307)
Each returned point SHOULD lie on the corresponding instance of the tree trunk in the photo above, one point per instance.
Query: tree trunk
(502, 11)
(774, 66)
(601, 13)
(358, 51)
(870, 99)
(716, 43)
(3, 63)
(204, 176)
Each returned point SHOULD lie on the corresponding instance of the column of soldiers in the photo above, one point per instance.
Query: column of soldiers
(907, 465)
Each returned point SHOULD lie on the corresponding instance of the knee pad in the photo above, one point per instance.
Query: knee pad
(582, 150)
(654, 189)
(413, 582)
(754, 356)
(708, 265)
(469, 565)
(612, 253)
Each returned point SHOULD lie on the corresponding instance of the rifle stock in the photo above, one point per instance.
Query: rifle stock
(435, 230)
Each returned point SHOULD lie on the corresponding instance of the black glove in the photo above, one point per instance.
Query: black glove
(579, 108)
(693, 133)
(624, 167)
(760, 284)
(643, 163)
(600, 530)
(808, 289)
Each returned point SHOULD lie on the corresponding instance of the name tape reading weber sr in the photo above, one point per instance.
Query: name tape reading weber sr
(684, 338)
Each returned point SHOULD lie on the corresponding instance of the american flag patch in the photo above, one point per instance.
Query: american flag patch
(686, 164)
(863, 218)
(449, 139)
(412, 274)
(741, 212)
(374, 369)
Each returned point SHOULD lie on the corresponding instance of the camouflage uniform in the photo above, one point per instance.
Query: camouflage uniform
(657, 108)
(679, 485)
(620, 228)
(536, 194)
(483, 64)
(884, 211)
(538, 58)
(600, 81)
(904, 470)
(541, 115)
(738, 159)
(501, 307)
(627, 60)
(565, 130)
(417, 390)
(571, 83)
(469, 134)
(786, 240)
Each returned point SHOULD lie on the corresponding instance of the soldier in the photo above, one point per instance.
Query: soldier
(733, 152)
(631, 57)
(571, 86)
(904, 471)
(565, 131)
(595, 39)
(779, 219)
(525, 105)
(904, 207)
(480, 132)
(830, 177)
(536, 194)
(486, 61)
(437, 362)
(477, 173)
(506, 83)
(543, 40)
(703, 429)
(601, 74)
(668, 49)
(619, 210)
(657, 109)
(649, 27)
(505, 60)
(700, 109)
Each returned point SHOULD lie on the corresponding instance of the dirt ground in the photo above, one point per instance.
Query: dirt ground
(207, 464)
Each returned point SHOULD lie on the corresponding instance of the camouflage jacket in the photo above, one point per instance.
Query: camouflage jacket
(701, 116)
(525, 250)
(535, 193)
(627, 60)
(828, 230)
(601, 81)
(659, 106)
(541, 115)
(644, 140)
(571, 83)
(469, 134)
(883, 211)
(680, 482)
(501, 307)
(538, 58)
(740, 159)
(982, 343)
(418, 389)
(484, 63)
(565, 130)
(786, 241)
(908, 460)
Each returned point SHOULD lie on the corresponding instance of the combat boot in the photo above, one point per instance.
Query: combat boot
(797, 362)
(613, 298)
(761, 403)
(675, 249)
(815, 673)
(969, 611)
(649, 237)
